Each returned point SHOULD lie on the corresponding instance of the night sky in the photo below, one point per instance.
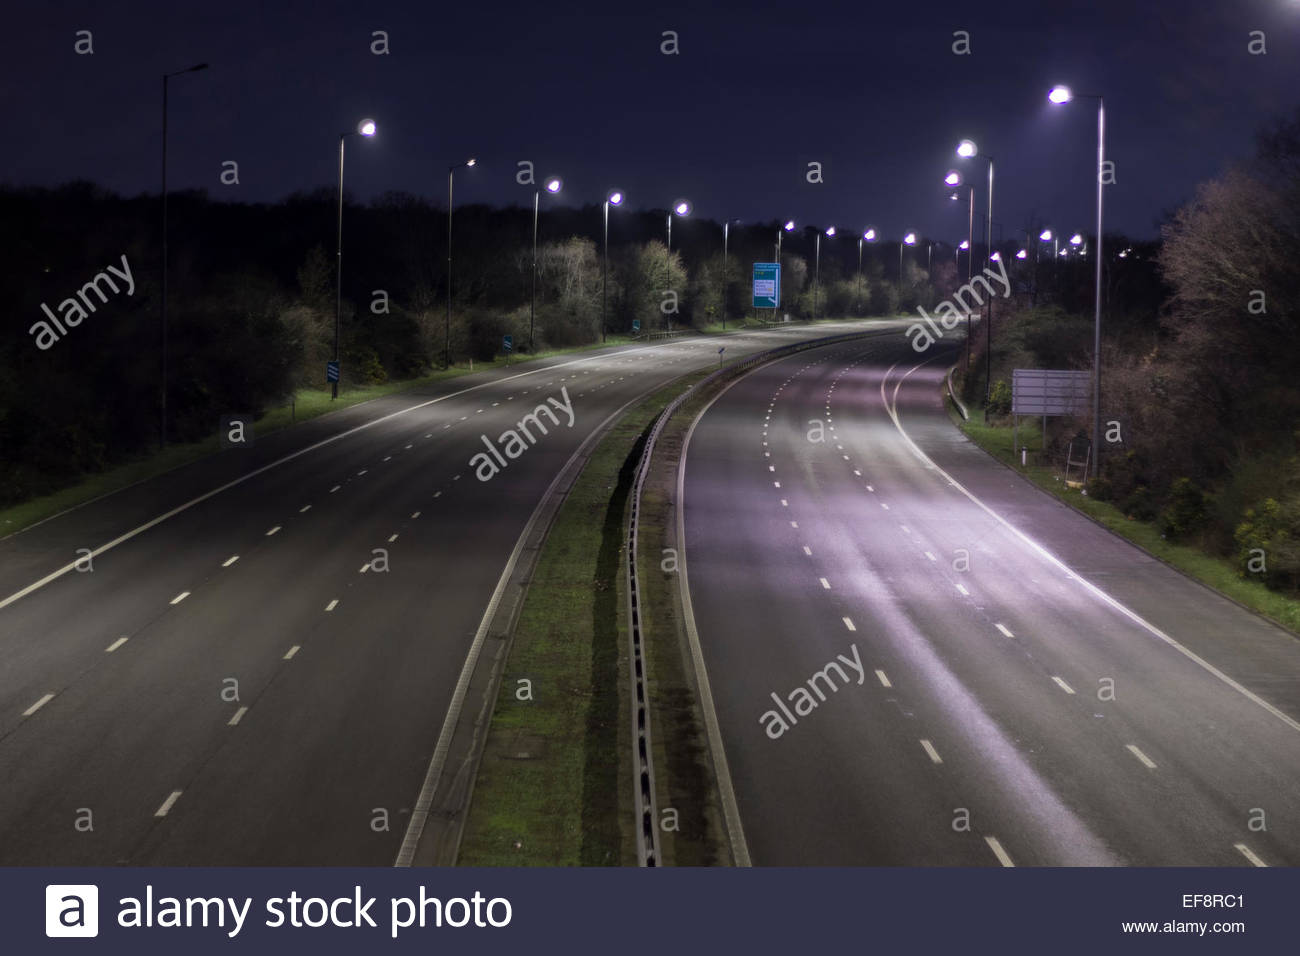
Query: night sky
(871, 91)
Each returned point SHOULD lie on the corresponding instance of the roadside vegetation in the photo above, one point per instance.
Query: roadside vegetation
(251, 308)
(1200, 406)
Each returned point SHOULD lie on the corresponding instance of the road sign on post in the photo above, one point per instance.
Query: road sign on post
(331, 371)
(767, 285)
(636, 326)
(508, 342)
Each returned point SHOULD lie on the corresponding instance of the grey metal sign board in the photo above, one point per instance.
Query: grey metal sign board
(1041, 391)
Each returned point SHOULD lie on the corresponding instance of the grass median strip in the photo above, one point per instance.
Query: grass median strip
(553, 785)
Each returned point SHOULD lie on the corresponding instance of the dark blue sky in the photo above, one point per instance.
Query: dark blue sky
(871, 91)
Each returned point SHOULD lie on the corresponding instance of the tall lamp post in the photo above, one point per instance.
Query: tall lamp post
(552, 185)
(1062, 94)
(365, 128)
(726, 228)
(451, 172)
(787, 226)
(967, 149)
(817, 270)
(682, 207)
(162, 427)
(869, 235)
(613, 198)
(908, 240)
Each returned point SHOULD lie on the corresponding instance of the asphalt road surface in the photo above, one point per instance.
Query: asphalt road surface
(260, 677)
(1017, 685)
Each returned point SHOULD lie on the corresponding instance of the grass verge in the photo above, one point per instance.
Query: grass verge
(1212, 571)
(553, 785)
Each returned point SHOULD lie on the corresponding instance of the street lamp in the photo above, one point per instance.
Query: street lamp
(909, 239)
(162, 427)
(787, 227)
(954, 179)
(613, 198)
(967, 149)
(726, 228)
(868, 236)
(552, 185)
(451, 172)
(682, 207)
(1059, 95)
(817, 270)
(365, 128)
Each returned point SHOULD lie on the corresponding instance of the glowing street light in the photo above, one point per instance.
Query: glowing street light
(552, 185)
(953, 178)
(1059, 95)
(365, 128)
(1022, 254)
(1076, 239)
(451, 173)
(613, 198)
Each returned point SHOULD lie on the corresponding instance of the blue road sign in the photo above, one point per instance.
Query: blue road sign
(508, 342)
(331, 371)
(767, 285)
(636, 325)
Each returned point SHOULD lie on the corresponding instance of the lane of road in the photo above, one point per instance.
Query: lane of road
(987, 705)
(260, 678)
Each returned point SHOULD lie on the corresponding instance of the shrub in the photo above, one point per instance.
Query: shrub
(1185, 512)
(1000, 398)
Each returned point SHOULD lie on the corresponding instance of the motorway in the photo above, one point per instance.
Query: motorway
(1014, 684)
(260, 676)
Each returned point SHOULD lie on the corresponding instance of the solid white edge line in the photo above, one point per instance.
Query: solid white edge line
(1074, 575)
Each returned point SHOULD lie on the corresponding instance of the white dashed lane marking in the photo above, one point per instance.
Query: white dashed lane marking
(167, 804)
(38, 705)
